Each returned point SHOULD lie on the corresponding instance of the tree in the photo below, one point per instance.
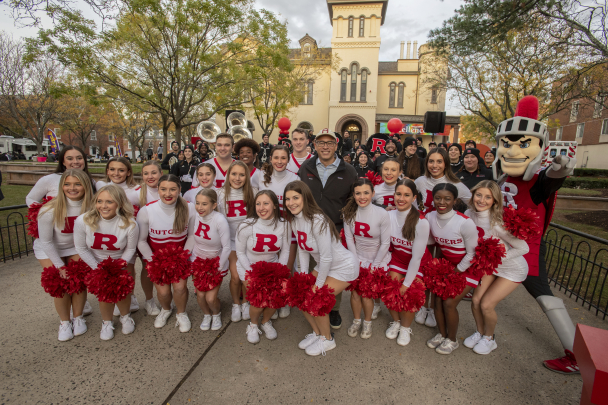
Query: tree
(81, 115)
(134, 125)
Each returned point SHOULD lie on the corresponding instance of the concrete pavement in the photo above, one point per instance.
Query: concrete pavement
(152, 365)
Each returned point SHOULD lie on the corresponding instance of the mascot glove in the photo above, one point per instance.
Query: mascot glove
(561, 166)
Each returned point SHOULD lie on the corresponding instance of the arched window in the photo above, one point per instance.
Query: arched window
(400, 95)
(307, 50)
(353, 82)
(363, 96)
(391, 100)
(351, 22)
(343, 86)
(361, 26)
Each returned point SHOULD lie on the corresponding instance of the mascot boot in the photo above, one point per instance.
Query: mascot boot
(562, 324)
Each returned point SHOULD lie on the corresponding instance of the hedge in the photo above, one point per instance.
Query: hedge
(591, 172)
(586, 182)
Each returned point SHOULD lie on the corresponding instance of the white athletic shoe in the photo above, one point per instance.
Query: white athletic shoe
(275, 315)
(353, 330)
(216, 324)
(134, 304)
(87, 310)
(161, 318)
(269, 330)
(151, 307)
(285, 311)
(435, 342)
(366, 333)
(236, 313)
(65, 331)
(253, 333)
(308, 340)
(245, 311)
(80, 325)
(107, 330)
(320, 346)
(472, 340)
(431, 322)
(404, 336)
(116, 310)
(376, 311)
(447, 346)
(420, 316)
(485, 346)
(128, 324)
(393, 330)
(206, 324)
(183, 322)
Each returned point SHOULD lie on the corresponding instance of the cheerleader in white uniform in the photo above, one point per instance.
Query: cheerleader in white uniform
(163, 223)
(263, 236)
(55, 245)
(367, 232)
(486, 211)
(109, 230)
(205, 176)
(235, 200)
(409, 236)
(336, 266)
(385, 192)
(224, 144)
(456, 236)
(300, 154)
(207, 239)
(120, 172)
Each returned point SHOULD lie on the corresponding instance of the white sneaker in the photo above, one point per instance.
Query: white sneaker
(393, 330)
(366, 333)
(269, 330)
(376, 311)
(308, 340)
(447, 346)
(161, 318)
(472, 340)
(116, 310)
(134, 304)
(80, 325)
(128, 324)
(320, 346)
(245, 311)
(485, 346)
(253, 333)
(431, 322)
(183, 322)
(88, 309)
(275, 315)
(420, 316)
(404, 336)
(107, 330)
(216, 324)
(65, 331)
(435, 342)
(285, 311)
(151, 307)
(236, 313)
(206, 324)
(353, 330)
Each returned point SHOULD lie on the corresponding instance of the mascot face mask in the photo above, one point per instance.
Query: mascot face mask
(515, 153)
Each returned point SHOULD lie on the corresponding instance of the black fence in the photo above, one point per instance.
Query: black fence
(16, 243)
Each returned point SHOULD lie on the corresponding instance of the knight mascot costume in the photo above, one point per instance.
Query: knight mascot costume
(522, 144)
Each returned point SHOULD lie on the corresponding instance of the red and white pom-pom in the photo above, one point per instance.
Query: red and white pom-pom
(343, 238)
(363, 274)
(206, 274)
(135, 210)
(441, 278)
(52, 282)
(110, 281)
(76, 272)
(488, 256)
(522, 223)
(297, 287)
(266, 284)
(374, 178)
(411, 301)
(169, 265)
(373, 283)
(32, 217)
(320, 302)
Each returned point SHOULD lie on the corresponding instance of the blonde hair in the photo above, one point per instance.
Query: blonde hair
(182, 213)
(496, 209)
(130, 180)
(247, 189)
(210, 194)
(124, 211)
(60, 205)
(143, 194)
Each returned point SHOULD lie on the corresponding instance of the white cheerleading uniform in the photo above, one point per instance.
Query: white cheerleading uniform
(295, 163)
(54, 243)
(514, 266)
(210, 238)
(456, 235)
(254, 177)
(408, 255)
(47, 186)
(278, 182)
(220, 175)
(131, 192)
(425, 187)
(190, 195)
(260, 240)
(384, 195)
(234, 209)
(152, 195)
(333, 259)
(155, 222)
(368, 236)
(108, 240)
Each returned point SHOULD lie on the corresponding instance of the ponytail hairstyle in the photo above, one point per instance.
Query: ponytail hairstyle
(210, 194)
(447, 170)
(267, 166)
(143, 193)
(496, 210)
(124, 211)
(130, 180)
(247, 188)
(182, 214)
(409, 226)
(59, 204)
(276, 214)
(349, 211)
(409, 166)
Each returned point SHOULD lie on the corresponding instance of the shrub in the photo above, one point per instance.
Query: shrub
(590, 172)
(586, 182)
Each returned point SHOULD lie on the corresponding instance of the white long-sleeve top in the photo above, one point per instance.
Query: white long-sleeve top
(425, 187)
(220, 174)
(384, 195)
(368, 236)
(210, 238)
(47, 186)
(456, 235)
(407, 254)
(331, 257)
(190, 195)
(278, 182)
(234, 209)
(260, 240)
(54, 242)
(151, 194)
(155, 222)
(131, 192)
(295, 163)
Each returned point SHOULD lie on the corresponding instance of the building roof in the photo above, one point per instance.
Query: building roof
(387, 67)
(330, 3)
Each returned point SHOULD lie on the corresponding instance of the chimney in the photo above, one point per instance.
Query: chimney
(409, 45)
(415, 50)
(401, 52)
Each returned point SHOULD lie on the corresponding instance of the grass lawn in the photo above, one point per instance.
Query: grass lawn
(580, 192)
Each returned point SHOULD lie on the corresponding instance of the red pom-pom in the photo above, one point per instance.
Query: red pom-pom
(297, 287)
(354, 285)
(488, 256)
(522, 223)
(32, 217)
(76, 272)
(206, 274)
(169, 265)
(441, 278)
(110, 281)
(372, 282)
(320, 302)
(267, 284)
(135, 211)
(52, 282)
(343, 238)
(374, 178)
(411, 301)
(527, 107)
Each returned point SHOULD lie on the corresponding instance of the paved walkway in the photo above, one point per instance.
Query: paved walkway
(151, 365)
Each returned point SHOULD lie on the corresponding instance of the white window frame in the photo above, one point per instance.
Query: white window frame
(93, 135)
(574, 110)
(599, 105)
(559, 133)
(111, 137)
(580, 131)
(604, 131)
(129, 145)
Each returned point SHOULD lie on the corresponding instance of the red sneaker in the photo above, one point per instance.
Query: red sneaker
(563, 365)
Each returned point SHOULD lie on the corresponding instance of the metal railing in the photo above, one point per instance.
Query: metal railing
(16, 243)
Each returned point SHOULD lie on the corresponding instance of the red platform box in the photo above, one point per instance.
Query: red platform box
(591, 352)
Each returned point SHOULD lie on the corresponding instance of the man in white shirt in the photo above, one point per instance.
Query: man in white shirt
(223, 158)
(299, 140)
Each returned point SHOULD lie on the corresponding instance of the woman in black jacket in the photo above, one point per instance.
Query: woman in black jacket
(363, 164)
(185, 169)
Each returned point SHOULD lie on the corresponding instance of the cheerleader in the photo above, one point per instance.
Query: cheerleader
(456, 236)
(109, 230)
(207, 239)
(367, 232)
(409, 236)
(223, 158)
(235, 200)
(259, 238)
(55, 245)
(300, 153)
(336, 266)
(120, 172)
(161, 224)
(486, 211)
(205, 176)
(247, 150)
(385, 192)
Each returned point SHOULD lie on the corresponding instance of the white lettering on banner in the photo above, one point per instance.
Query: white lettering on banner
(509, 191)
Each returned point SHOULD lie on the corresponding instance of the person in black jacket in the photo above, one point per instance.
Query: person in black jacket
(265, 148)
(455, 154)
(473, 170)
(363, 164)
(421, 150)
(186, 169)
(167, 162)
(412, 165)
(347, 144)
(391, 152)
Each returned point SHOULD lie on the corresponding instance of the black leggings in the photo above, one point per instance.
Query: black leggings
(539, 285)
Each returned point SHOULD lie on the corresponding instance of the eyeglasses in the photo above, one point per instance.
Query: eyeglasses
(323, 144)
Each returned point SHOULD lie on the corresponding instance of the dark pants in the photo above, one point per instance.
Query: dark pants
(539, 285)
